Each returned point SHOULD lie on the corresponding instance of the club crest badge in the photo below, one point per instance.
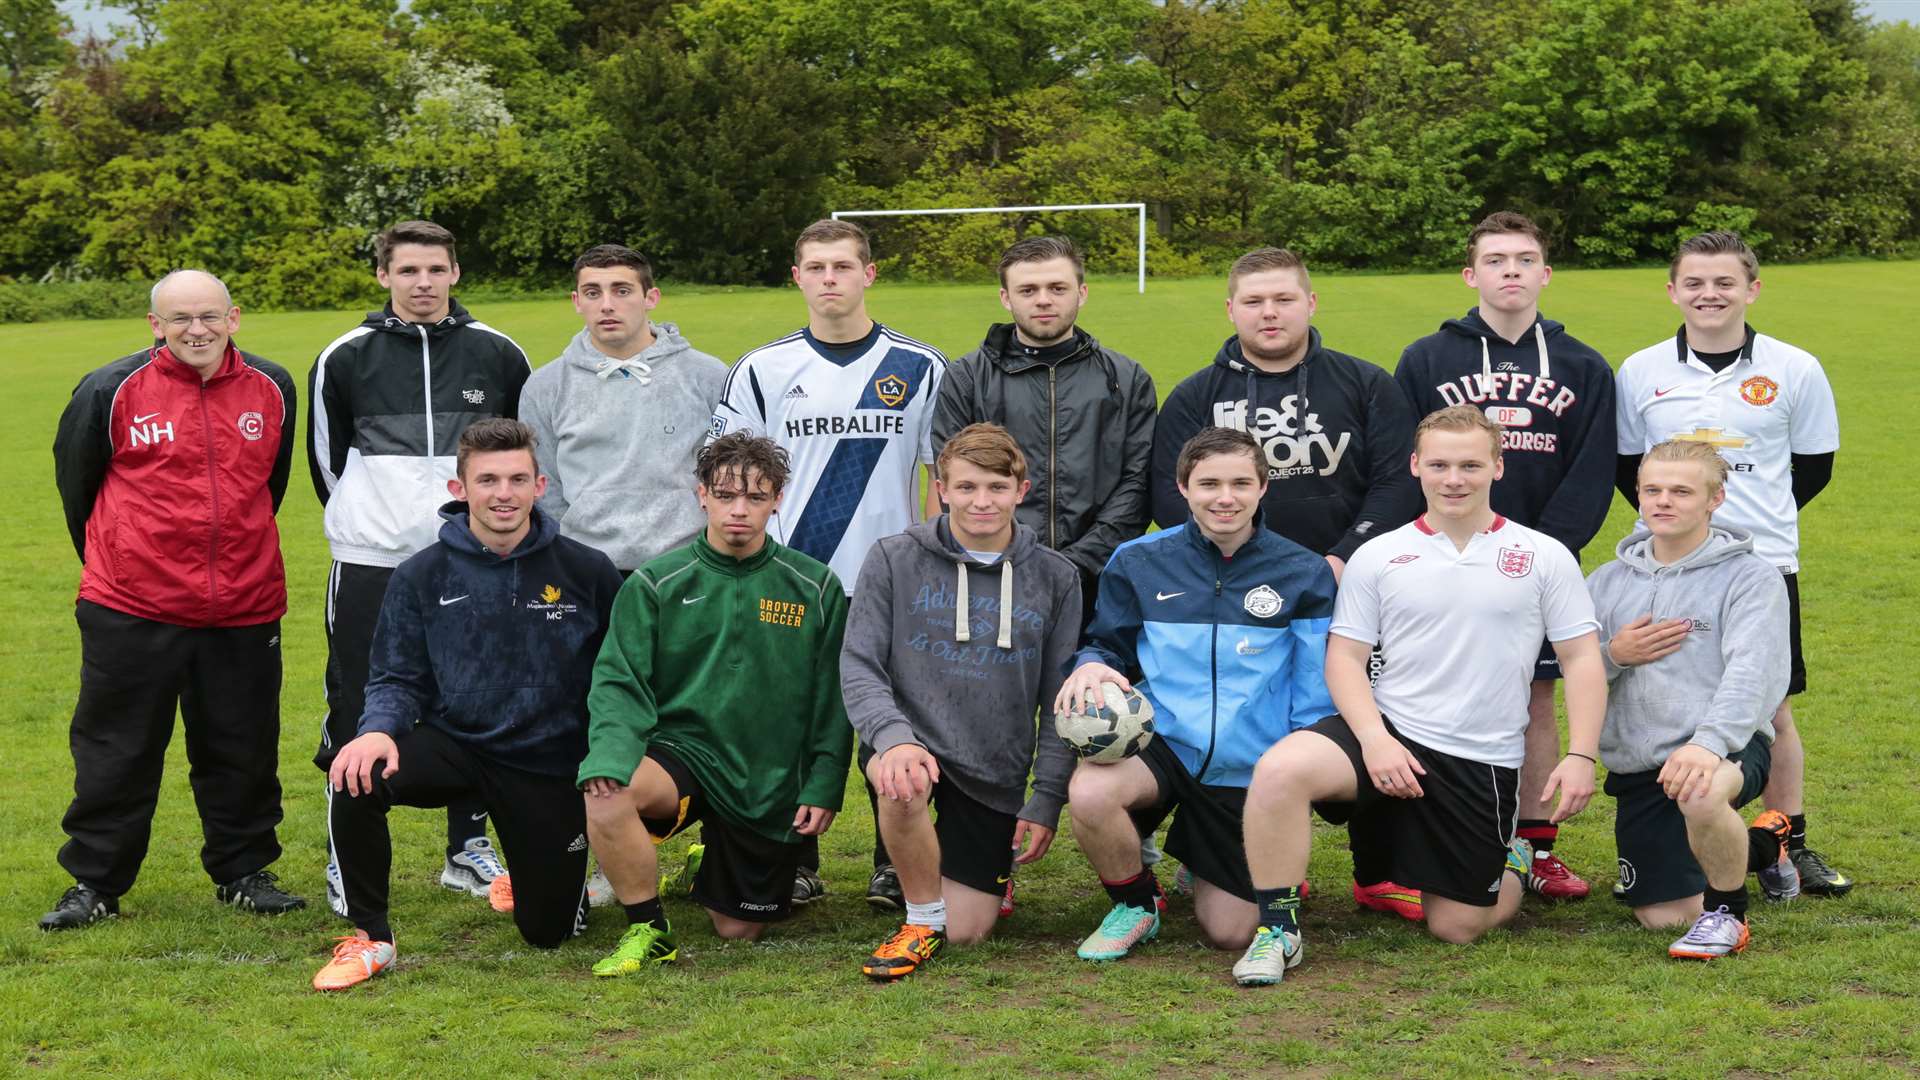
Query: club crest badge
(891, 390)
(252, 426)
(1263, 603)
(1759, 391)
(1515, 563)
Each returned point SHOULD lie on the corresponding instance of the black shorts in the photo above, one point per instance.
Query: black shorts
(1796, 663)
(976, 841)
(1650, 832)
(1452, 841)
(743, 874)
(1206, 835)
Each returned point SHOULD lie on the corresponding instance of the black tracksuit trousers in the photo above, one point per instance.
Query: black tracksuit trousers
(354, 594)
(541, 819)
(134, 672)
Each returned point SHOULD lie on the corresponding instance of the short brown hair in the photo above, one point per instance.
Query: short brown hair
(1043, 249)
(412, 232)
(1214, 441)
(490, 436)
(1505, 221)
(1261, 260)
(1693, 450)
(603, 256)
(832, 231)
(985, 446)
(738, 456)
(1718, 242)
(1460, 418)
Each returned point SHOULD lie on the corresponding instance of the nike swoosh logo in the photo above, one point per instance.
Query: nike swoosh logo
(481, 816)
(1169, 595)
(694, 600)
(1003, 879)
(1664, 393)
(445, 601)
(144, 419)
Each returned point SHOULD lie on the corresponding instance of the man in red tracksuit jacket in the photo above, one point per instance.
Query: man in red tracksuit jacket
(171, 463)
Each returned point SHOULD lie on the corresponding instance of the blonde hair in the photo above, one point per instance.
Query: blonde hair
(1702, 454)
(1460, 418)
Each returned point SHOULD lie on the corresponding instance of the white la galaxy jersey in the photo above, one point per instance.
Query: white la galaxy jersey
(1459, 631)
(855, 423)
(1771, 403)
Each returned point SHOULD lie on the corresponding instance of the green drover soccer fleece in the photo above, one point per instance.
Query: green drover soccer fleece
(734, 665)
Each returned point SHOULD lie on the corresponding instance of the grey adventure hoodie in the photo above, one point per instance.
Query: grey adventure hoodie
(957, 656)
(617, 438)
(1724, 683)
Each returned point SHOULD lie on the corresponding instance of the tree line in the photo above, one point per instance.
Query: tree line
(267, 140)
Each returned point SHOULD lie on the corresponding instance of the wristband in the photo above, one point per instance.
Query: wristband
(1576, 753)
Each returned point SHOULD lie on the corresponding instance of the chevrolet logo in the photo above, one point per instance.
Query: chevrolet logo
(1714, 437)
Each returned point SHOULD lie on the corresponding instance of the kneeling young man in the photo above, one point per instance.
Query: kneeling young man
(1696, 653)
(484, 645)
(717, 699)
(1224, 625)
(1458, 601)
(960, 629)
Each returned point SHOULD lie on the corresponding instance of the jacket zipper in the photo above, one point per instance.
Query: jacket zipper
(426, 388)
(1213, 669)
(1053, 479)
(213, 489)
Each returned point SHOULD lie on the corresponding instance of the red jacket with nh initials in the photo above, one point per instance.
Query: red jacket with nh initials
(170, 486)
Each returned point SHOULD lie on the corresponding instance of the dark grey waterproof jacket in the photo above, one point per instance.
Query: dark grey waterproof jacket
(1085, 425)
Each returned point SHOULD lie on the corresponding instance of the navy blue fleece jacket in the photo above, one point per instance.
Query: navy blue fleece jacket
(496, 651)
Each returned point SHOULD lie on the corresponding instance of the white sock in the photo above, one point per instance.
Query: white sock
(934, 914)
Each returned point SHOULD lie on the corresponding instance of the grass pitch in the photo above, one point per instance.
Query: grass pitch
(178, 986)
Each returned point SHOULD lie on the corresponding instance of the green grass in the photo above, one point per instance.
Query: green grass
(180, 987)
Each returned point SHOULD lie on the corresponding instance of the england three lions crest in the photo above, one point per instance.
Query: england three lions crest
(1263, 602)
(1515, 563)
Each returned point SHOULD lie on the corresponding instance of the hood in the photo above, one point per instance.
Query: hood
(1230, 358)
(998, 349)
(936, 538)
(386, 320)
(1471, 325)
(667, 343)
(458, 535)
(1722, 543)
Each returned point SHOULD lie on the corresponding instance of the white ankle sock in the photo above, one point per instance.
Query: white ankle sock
(934, 914)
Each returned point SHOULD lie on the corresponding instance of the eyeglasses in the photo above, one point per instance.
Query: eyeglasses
(213, 320)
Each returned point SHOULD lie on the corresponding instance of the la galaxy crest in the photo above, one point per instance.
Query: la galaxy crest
(891, 390)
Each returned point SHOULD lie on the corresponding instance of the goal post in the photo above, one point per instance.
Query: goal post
(1140, 269)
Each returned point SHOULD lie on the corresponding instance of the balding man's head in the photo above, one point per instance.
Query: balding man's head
(192, 310)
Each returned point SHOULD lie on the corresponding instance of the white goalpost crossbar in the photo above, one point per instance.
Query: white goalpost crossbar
(1140, 268)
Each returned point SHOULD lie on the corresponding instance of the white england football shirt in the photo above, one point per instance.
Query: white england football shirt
(1459, 631)
(855, 420)
(1771, 403)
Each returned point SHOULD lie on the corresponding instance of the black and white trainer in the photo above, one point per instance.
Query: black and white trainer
(81, 905)
(259, 892)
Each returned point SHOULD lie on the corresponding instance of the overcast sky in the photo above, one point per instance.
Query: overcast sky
(88, 15)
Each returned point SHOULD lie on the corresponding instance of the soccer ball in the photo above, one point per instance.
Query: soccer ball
(1120, 728)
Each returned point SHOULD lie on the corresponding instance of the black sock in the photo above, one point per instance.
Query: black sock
(1540, 832)
(1734, 900)
(380, 931)
(1279, 908)
(1763, 849)
(1137, 891)
(647, 910)
(1797, 834)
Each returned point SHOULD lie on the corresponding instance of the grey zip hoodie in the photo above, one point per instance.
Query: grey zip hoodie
(957, 656)
(617, 442)
(1724, 683)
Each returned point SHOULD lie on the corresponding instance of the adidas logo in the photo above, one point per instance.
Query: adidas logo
(796, 392)
(579, 843)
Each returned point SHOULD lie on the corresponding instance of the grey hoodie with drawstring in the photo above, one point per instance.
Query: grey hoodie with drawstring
(1727, 678)
(617, 438)
(957, 656)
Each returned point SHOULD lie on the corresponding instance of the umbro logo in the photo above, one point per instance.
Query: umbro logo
(579, 843)
(796, 392)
